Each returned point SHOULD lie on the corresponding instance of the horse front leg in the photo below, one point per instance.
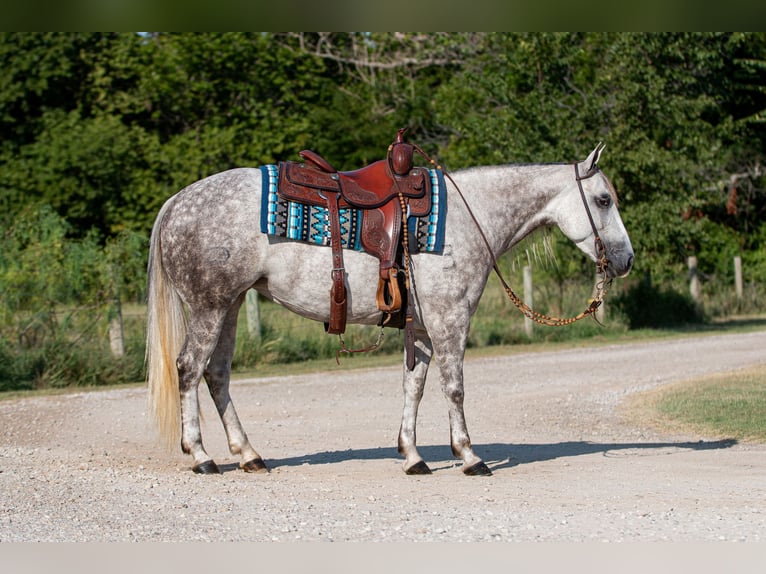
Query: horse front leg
(218, 377)
(414, 383)
(452, 387)
(449, 355)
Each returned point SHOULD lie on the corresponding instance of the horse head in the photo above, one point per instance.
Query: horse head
(586, 212)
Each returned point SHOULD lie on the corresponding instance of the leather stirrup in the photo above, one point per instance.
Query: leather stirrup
(394, 302)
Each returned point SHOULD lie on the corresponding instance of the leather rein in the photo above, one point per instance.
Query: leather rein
(602, 285)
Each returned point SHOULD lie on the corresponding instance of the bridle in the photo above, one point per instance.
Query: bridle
(601, 261)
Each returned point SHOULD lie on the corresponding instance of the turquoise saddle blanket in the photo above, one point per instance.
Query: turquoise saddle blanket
(311, 224)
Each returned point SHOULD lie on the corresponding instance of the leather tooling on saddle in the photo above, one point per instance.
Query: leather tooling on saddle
(310, 224)
(312, 202)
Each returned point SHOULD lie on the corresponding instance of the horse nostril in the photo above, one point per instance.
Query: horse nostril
(630, 262)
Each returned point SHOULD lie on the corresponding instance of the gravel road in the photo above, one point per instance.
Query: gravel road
(567, 465)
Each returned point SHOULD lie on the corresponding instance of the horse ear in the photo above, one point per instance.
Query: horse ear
(590, 164)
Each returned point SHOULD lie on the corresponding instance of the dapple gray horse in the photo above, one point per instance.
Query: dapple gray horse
(207, 251)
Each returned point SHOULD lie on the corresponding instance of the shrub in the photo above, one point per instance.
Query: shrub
(647, 306)
(58, 292)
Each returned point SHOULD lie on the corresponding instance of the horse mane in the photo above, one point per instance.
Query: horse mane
(537, 248)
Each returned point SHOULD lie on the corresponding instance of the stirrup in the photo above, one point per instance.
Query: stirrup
(394, 302)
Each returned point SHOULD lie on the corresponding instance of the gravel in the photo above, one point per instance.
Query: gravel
(568, 466)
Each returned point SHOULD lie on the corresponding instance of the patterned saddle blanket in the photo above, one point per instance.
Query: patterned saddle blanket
(311, 223)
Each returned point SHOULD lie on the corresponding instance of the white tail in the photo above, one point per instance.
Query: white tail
(165, 333)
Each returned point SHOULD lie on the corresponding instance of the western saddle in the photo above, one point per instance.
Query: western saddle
(388, 191)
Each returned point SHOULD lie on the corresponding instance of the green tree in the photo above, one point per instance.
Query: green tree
(676, 122)
(377, 83)
(109, 125)
(676, 111)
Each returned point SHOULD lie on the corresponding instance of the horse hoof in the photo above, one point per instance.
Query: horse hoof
(478, 469)
(418, 468)
(255, 465)
(207, 467)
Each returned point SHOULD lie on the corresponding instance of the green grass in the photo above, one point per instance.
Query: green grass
(727, 405)
(593, 337)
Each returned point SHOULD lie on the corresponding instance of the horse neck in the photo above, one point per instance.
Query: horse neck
(509, 202)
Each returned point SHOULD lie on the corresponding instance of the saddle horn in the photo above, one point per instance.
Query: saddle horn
(401, 154)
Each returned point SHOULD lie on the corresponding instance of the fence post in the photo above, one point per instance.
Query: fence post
(253, 314)
(116, 330)
(529, 326)
(695, 287)
(738, 276)
(601, 311)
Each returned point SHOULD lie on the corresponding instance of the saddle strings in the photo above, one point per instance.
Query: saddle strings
(406, 263)
(602, 285)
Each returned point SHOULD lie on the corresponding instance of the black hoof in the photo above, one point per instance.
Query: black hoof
(418, 468)
(478, 469)
(255, 465)
(207, 467)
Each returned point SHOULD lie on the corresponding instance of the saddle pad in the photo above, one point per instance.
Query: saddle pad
(311, 224)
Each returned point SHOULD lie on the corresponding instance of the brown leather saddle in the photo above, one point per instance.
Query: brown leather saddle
(387, 191)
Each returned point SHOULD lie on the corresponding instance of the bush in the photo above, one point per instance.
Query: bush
(64, 362)
(16, 373)
(647, 306)
(58, 293)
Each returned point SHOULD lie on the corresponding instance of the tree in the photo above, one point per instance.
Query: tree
(676, 122)
(105, 127)
(670, 108)
(378, 83)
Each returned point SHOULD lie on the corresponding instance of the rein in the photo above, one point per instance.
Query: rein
(602, 285)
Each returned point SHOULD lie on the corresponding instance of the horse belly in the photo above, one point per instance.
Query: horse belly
(298, 277)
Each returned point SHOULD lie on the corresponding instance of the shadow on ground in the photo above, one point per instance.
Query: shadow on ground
(723, 325)
(500, 456)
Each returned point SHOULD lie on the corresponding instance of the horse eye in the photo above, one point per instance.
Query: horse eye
(604, 201)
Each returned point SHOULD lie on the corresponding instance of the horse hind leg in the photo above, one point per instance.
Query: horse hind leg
(201, 341)
(218, 376)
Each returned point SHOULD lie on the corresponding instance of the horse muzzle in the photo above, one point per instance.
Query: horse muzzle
(619, 264)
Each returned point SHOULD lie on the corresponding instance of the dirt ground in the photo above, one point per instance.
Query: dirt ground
(567, 464)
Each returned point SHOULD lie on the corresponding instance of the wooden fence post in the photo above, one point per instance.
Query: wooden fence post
(253, 314)
(116, 330)
(529, 325)
(601, 311)
(695, 287)
(738, 276)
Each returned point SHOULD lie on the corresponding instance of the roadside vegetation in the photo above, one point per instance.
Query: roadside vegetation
(726, 405)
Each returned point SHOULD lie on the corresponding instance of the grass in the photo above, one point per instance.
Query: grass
(725, 405)
(593, 338)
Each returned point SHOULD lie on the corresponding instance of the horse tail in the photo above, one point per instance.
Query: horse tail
(165, 334)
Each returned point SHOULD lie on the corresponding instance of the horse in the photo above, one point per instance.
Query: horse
(206, 252)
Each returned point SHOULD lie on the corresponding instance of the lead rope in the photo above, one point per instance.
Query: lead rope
(602, 285)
